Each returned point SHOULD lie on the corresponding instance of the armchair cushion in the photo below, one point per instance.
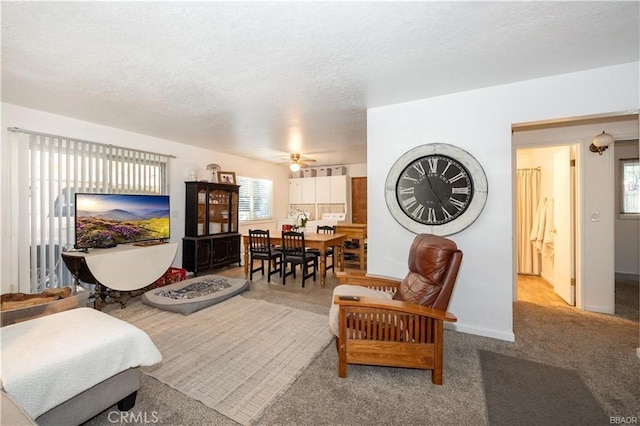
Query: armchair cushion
(429, 259)
(351, 290)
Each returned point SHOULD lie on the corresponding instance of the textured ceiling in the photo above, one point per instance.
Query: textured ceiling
(263, 79)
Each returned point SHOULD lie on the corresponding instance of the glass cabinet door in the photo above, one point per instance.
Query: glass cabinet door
(211, 209)
(233, 208)
(218, 211)
(202, 210)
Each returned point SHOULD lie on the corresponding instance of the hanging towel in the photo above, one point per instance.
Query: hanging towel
(538, 226)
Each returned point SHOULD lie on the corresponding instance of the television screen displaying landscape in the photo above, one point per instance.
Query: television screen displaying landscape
(106, 220)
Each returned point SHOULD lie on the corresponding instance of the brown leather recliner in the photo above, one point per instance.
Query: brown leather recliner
(398, 323)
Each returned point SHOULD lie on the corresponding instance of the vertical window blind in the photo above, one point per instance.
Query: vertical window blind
(46, 173)
(255, 198)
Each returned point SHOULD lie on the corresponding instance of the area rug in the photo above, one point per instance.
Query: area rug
(521, 392)
(197, 293)
(236, 357)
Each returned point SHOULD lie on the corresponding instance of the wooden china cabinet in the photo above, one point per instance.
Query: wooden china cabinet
(211, 238)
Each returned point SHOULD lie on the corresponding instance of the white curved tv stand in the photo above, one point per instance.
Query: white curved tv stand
(122, 268)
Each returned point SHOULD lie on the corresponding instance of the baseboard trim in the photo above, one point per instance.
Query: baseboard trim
(628, 277)
(601, 309)
(484, 332)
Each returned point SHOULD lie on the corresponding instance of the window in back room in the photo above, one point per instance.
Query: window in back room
(630, 187)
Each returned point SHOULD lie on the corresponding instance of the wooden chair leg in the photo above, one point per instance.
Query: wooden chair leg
(252, 269)
(268, 270)
(315, 268)
(342, 359)
(436, 374)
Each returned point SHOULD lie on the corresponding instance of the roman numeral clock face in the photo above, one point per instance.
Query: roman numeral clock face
(436, 188)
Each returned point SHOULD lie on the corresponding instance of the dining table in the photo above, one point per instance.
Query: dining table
(322, 242)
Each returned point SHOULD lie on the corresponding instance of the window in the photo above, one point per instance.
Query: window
(49, 170)
(255, 198)
(630, 191)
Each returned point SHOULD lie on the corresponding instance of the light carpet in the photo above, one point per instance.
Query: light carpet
(236, 357)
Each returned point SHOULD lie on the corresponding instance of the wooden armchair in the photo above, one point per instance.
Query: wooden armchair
(398, 323)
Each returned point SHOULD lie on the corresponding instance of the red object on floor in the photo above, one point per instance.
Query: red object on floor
(173, 275)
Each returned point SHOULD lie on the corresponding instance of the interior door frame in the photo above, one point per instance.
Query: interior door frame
(577, 223)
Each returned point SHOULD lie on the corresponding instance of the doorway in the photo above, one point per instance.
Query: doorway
(546, 218)
(359, 200)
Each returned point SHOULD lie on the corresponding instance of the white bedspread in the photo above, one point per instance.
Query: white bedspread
(47, 360)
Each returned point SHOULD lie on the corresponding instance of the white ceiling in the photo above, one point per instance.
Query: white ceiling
(263, 79)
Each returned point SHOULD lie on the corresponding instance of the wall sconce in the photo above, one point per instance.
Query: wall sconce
(601, 142)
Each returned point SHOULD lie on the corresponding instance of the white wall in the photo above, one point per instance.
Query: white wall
(480, 122)
(357, 170)
(187, 157)
(627, 239)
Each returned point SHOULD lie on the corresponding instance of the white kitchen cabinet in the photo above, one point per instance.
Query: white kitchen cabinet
(323, 190)
(295, 191)
(308, 189)
(302, 191)
(339, 188)
(320, 190)
(331, 190)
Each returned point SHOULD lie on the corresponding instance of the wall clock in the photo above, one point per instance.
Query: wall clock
(436, 189)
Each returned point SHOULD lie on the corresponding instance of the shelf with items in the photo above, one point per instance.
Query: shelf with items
(211, 209)
(355, 256)
(211, 226)
(355, 248)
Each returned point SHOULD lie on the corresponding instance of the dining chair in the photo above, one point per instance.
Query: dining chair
(326, 229)
(260, 249)
(294, 254)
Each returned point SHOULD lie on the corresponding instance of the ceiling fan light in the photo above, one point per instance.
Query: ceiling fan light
(294, 167)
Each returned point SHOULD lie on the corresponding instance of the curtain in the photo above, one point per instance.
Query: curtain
(41, 175)
(528, 196)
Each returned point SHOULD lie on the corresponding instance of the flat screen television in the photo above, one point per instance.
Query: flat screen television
(106, 220)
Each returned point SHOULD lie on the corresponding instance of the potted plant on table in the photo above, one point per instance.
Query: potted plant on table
(301, 221)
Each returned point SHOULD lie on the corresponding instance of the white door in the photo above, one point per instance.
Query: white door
(563, 232)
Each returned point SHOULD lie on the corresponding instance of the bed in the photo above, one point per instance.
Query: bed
(67, 367)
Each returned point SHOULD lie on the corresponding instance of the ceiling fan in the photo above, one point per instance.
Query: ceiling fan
(296, 162)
